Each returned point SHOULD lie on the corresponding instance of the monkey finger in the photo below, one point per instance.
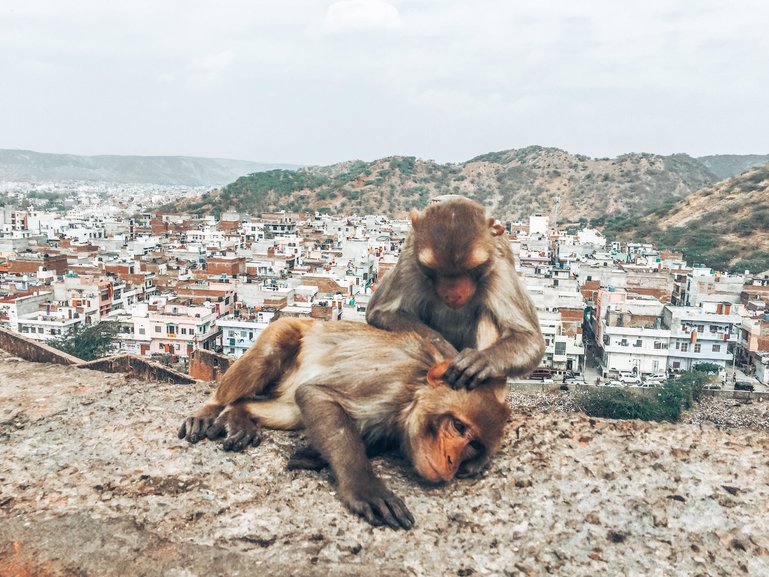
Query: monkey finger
(216, 429)
(366, 511)
(401, 512)
(193, 429)
(382, 507)
(480, 372)
(182, 430)
(235, 442)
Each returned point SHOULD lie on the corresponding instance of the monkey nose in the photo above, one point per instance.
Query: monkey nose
(454, 301)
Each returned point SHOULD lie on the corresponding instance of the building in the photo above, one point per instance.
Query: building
(698, 336)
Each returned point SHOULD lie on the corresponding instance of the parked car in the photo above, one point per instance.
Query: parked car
(613, 384)
(574, 381)
(541, 374)
(743, 386)
(629, 378)
(656, 377)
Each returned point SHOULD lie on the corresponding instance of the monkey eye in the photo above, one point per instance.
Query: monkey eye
(480, 270)
(459, 427)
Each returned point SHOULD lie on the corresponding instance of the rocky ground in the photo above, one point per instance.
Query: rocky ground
(93, 481)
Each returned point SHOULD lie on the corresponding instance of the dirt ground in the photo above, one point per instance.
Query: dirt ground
(93, 481)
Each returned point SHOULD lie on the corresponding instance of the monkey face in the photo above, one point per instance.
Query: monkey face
(454, 248)
(449, 442)
(453, 428)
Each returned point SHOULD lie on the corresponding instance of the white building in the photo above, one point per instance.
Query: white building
(239, 335)
(562, 351)
(635, 349)
(697, 336)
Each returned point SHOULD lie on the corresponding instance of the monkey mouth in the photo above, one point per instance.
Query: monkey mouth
(430, 473)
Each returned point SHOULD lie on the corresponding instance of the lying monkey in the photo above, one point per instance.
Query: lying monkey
(352, 386)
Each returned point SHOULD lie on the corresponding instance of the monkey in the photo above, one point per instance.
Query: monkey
(352, 387)
(455, 283)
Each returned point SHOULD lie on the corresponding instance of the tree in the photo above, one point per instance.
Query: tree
(88, 342)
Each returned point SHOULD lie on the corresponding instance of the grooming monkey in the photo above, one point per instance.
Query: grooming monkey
(455, 283)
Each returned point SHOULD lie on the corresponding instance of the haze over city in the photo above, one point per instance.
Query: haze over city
(321, 82)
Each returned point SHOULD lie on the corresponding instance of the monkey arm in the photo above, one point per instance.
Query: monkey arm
(399, 321)
(334, 434)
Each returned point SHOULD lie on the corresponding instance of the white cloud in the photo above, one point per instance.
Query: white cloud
(360, 15)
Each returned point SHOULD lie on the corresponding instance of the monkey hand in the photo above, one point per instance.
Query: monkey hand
(241, 431)
(470, 368)
(373, 501)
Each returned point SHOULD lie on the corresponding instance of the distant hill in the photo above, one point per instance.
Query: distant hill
(728, 165)
(29, 166)
(514, 183)
(724, 225)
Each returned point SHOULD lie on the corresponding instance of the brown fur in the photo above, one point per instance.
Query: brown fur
(496, 330)
(353, 386)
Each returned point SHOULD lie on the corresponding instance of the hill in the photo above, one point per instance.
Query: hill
(724, 225)
(728, 165)
(29, 166)
(514, 183)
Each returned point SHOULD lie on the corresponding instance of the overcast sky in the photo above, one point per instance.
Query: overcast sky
(318, 82)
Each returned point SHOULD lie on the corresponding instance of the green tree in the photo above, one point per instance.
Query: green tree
(88, 342)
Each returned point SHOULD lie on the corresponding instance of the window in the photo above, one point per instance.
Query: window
(684, 347)
(623, 342)
(157, 329)
(678, 346)
(697, 347)
(716, 348)
(141, 330)
(560, 348)
(638, 343)
(658, 345)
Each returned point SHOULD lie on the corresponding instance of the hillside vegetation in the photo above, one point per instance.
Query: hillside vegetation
(725, 225)
(514, 183)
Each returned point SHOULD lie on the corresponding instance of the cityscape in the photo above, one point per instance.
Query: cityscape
(621, 314)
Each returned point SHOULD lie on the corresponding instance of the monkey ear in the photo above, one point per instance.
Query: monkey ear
(496, 228)
(436, 374)
(416, 217)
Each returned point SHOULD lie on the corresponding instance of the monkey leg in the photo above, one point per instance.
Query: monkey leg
(262, 366)
(309, 459)
(200, 425)
(242, 421)
(334, 434)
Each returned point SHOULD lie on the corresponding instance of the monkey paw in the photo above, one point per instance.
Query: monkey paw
(378, 505)
(196, 429)
(468, 369)
(242, 439)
